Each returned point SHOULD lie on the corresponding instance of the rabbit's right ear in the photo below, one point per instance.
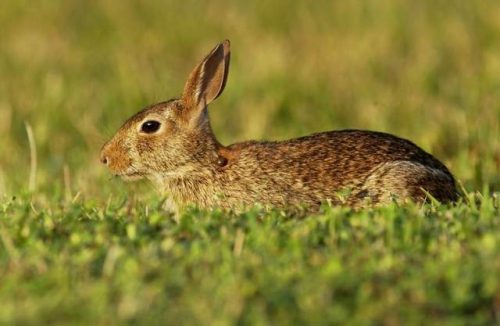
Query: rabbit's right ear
(206, 82)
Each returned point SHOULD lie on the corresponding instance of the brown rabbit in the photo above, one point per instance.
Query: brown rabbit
(172, 144)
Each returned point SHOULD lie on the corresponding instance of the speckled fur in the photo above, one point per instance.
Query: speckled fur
(184, 159)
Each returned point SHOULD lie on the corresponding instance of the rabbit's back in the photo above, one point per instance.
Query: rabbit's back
(354, 166)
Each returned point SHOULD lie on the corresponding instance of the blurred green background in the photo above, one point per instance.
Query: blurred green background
(75, 70)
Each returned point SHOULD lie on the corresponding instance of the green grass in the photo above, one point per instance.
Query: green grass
(83, 248)
(129, 262)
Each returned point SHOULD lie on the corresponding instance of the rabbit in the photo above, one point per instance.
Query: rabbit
(172, 144)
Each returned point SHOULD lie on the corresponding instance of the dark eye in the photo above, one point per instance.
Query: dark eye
(150, 126)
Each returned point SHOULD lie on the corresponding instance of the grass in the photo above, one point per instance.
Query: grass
(128, 262)
(79, 247)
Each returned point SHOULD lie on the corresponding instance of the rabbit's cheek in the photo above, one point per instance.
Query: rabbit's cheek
(145, 146)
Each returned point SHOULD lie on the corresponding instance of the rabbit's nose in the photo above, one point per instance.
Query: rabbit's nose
(104, 159)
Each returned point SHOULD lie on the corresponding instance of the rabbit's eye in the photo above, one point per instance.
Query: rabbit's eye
(150, 126)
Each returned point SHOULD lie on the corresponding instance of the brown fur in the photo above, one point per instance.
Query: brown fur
(184, 159)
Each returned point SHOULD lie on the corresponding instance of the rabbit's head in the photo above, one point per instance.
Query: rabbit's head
(173, 137)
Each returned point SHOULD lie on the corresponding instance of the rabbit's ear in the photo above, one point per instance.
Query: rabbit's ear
(206, 82)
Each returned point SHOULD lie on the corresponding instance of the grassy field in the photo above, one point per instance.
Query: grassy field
(79, 247)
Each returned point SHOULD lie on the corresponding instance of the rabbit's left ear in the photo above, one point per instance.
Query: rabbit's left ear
(206, 82)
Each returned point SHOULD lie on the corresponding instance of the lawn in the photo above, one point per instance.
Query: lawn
(77, 246)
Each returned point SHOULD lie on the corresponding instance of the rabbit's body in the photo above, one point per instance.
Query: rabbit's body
(353, 167)
(172, 144)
